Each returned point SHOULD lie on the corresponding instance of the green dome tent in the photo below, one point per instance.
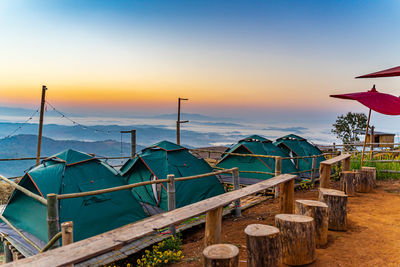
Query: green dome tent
(297, 146)
(72, 172)
(256, 145)
(161, 159)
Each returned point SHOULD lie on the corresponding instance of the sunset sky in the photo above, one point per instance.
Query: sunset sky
(231, 57)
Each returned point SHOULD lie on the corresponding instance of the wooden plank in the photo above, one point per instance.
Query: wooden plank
(336, 159)
(141, 243)
(100, 244)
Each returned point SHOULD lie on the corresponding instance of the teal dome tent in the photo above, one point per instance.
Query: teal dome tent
(256, 145)
(297, 146)
(72, 172)
(161, 159)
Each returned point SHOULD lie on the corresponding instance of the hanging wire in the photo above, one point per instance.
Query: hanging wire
(22, 125)
(77, 123)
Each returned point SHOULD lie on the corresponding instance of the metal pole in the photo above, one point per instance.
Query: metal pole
(133, 143)
(178, 122)
(236, 186)
(171, 198)
(53, 227)
(365, 139)
(43, 101)
(278, 170)
(178, 138)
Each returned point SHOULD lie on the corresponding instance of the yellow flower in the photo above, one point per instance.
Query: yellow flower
(129, 265)
(166, 261)
(179, 253)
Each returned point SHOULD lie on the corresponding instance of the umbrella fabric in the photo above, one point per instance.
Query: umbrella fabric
(383, 73)
(380, 102)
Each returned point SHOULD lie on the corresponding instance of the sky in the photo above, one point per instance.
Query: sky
(262, 59)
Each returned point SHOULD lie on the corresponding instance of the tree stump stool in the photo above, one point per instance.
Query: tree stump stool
(372, 174)
(297, 238)
(348, 182)
(319, 211)
(222, 255)
(337, 208)
(365, 181)
(263, 245)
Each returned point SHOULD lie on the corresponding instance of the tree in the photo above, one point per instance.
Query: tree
(346, 127)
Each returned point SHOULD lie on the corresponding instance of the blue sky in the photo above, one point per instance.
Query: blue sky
(231, 58)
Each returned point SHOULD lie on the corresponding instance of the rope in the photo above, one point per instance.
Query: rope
(23, 124)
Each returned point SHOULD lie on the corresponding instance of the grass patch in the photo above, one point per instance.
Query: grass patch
(380, 166)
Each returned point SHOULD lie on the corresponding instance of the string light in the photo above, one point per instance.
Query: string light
(21, 126)
(84, 127)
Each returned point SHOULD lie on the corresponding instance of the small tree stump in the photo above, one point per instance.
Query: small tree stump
(372, 172)
(348, 182)
(297, 238)
(337, 208)
(263, 245)
(319, 211)
(365, 181)
(222, 255)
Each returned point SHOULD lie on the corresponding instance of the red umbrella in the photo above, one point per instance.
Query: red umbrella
(383, 73)
(380, 102)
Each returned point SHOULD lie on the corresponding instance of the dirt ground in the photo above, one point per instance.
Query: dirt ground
(372, 238)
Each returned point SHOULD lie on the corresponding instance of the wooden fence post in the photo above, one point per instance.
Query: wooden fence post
(346, 164)
(67, 231)
(236, 186)
(213, 227)
(53, 227)
(8, 256)
(171, 198)
(278, 171)
(324, 175)
(313, 168)
(67, 235)
(286, 202)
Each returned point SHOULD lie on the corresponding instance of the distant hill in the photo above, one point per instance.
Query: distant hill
(25, 145)
(146, 134)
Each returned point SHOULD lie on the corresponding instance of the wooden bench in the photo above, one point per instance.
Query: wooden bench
(325, 168)
(117, 238)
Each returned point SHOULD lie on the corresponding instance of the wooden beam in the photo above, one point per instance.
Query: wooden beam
(212, 233)
(286, 198)
(278, 171)
(346, 164)
(24, 190)
(53, 227)
(39, 144)
(100, 244)
(336, 159)
(324, 175)
(171, 198)
(67, 231)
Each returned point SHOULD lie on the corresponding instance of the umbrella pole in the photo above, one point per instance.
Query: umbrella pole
(365, 139)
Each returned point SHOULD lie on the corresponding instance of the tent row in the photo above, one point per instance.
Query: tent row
(72, 171)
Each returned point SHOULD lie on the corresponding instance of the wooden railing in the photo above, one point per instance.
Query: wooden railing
(325, 168)
(100, 244)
